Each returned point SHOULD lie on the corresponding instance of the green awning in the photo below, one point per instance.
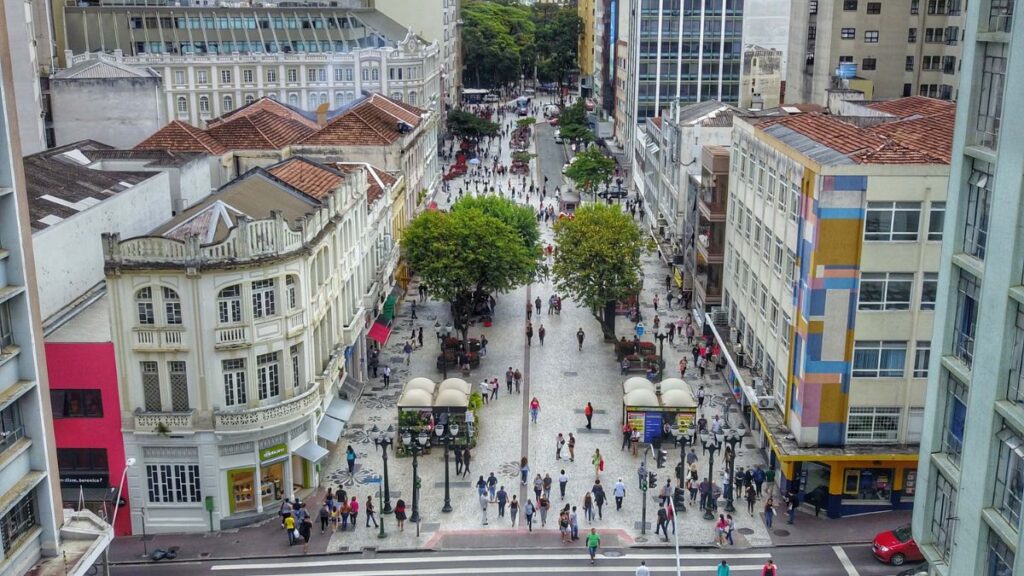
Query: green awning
(389, 309)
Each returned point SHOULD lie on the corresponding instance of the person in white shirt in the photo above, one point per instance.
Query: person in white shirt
(619, 491)
(642, 569)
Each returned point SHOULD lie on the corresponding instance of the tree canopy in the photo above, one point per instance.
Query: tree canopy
(591, 169)
(519, 217)
(467, 125)
(598, 259)
(573, 124)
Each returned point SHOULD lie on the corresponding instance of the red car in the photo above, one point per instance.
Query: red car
(896, 547)
(553, 121)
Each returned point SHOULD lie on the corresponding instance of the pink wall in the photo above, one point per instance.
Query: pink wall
(91, 366)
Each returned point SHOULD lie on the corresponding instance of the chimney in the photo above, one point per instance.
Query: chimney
(321, 114)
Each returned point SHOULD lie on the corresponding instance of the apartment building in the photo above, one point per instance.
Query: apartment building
(885, 49)
(239, 330)
(834, 226)
(969, 518)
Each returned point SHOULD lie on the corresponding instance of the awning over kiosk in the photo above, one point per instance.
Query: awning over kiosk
(311, 451)
(341, 409)
(330, 429)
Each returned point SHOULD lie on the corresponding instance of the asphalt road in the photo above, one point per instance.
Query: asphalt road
(550, 156)
(803, 561)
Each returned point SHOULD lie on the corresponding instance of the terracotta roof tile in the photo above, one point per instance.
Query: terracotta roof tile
(182, 137)
(310, 178)
(377, 178)
(371, 122)
(260, 130)
(913, 105)
(265, 105)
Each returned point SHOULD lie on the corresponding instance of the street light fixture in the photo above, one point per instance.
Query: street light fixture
(732, 438)
(383, 439)
(661, 336)
(447, 434)
(120, 492)
(415, 446)
(711, 442)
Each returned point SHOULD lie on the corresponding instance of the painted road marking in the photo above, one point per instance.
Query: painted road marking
(584, 568)
(845, 561)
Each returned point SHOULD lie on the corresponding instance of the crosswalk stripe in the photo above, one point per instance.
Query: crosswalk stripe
(484, 558)
(845, 561)
(586, 568)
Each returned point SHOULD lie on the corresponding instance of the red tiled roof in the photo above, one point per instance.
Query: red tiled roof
(376, 178)
(374, 121)
(310, 178)
(932, 135)
(913, 106)
(182, 137)
(261, 130)
(265, 105)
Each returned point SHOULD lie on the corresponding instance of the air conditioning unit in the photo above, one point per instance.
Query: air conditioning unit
(765, 402)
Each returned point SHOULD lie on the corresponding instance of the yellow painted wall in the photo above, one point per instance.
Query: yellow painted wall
(586, 12)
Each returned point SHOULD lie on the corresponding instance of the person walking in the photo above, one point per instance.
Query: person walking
(534, 409)
(518, 377)
(769, 569)
(400, 515)
(588, 507)
(513, 510)
(538, 486)
(682, 367)
(580, 335)
(574, 525)
(524, 469)
(529, 510)
(407, 350)
(588, 411)
(758, 477)
(289, 528)
(509, 377)
(370, 513)
(723, 569)
(619, 492)
(483, 508)
(720, 529)
(559, 442)
(769, 511)
(642, 569)
(751, 499)
(656, 301)
(458, 461)
(594, 542)
(598, 461)
(353, 511)
(387, 376)
(792, 501)
(662, 522)
(563, 481)
(701, 393)
(502, 499)
(465, 461)
(350, 459)
(325, 516)
(599, 498)
(541, 332)
(547, 485)
(305, 531)
(492, 486)
(494, 389)
(544, 504)
(627, 434)
(529, 333)
(529, 310)
(572, 447)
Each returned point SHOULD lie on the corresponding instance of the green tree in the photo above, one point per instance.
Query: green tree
(467, 254)
(519, 217)
(591, 169)
(558, 30)
(598, 260)
(467, 125)
(498, 42)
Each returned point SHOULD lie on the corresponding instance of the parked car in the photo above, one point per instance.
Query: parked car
(614, 193)
(896, 547)
(918, 570)
(558, 136)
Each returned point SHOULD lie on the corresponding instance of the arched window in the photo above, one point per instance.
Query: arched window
(293, 99)
(339, 98)
(412, 98)
(229, 305)
(229, 103)
(396, 96)
(182, 104)
(314, 100)
(172, 307)
(375, 74)
(144, 306)
(204, 104)
(366, 74)
(249, 99)
(272, 96)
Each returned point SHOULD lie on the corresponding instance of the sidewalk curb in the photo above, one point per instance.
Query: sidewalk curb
(662, 545)
(141, 562)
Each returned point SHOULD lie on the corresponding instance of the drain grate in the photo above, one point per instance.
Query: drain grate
(781, 532)
(204, 554)
(745, 531)
(636, 525)
(570, 374)
(613, 554)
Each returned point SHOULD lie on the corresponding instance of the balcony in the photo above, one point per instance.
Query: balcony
(268, 416)
(232, 337)
(159, 339)
(171, 421)
(713, 204)
(296, 322)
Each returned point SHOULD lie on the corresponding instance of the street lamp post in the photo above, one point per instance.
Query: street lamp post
(446, 434)
(683, 437)
(120, 491)
(383, 439)
(440, 343)
(661, 336)
(711, 442)
(732, 438)
(415, 445)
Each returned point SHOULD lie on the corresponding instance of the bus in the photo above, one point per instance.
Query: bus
(523, 105)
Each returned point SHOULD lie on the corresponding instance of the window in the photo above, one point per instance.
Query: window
(179, 77)
(868, 64)
(1000, 17)
(296, 359)
(773, 318)
(263, 298)
(11, 426)
(182, 104)
(871, 36)
(82, 460)
(6, 327)
(999, 558)
(18, 522)
(225, 76)
(249, 99)
(234, 381)
(915, 6)
(229, 305)
(173, 483)
(908, 90)
(794, 201)
(366, 74)
(289, 292)
(229, 103)
(73, 403)
(929, 286)
(777, 259)
(990, 95)
(873, 425)
(885, 291)
(910, 64)
(848, 33)
(1009, 476)
(172, 306)
(413, 99)
(849, 5)
(202, 77)
(954, 415)
(952, 35)
(144, 306)
(292, 74)
(874, 8)
(912, 35)
(943, 520)
(268, 376)
(271, 75)
(922, 355)
(965, 323)
(204, 104)
(892, 221)
(875, 359)
(179, 386)
(150, 386)
(936, 220)
(375, 74)
(846, 59)
(1015, 387)
(247, 76)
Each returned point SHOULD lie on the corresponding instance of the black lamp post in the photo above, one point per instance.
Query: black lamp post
(683, 437)
(415, 445)
(440, 343)
(732, 438)
(711, 442)
(661, 336)
(384, 439)
(446, 434)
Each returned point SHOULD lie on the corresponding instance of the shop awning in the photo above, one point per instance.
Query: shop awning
(90, 494)
(379, 333)
(340, 409)
(330, 429)
(311, 451)
(388, 312)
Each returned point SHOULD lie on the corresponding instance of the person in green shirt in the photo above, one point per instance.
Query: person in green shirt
(723, 569)
(593, 541)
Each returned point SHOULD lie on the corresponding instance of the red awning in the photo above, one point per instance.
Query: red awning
(379, 332)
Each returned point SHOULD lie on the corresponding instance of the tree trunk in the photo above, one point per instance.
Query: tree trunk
(608, 322)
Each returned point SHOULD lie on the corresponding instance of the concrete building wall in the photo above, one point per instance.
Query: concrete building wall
(134, 212)
(434, 21)
(766, 24)
(24, 33)
(82, 110)
(763, 72)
